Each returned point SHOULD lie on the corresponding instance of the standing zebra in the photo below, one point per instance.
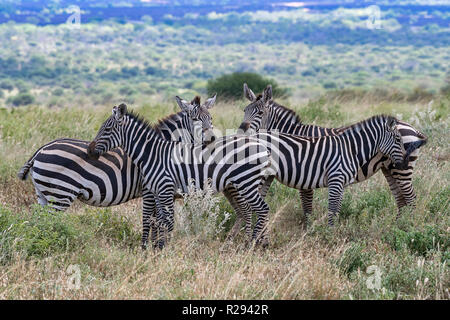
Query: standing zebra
(264, 113)
(61, 170)
(239, 162)
(307, 163)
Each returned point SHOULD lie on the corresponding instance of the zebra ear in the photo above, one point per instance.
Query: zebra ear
(267, 94)
(183, 104)
(119, 111)
(196, 101)
(391, 123)
(210, 102)
(248, 93)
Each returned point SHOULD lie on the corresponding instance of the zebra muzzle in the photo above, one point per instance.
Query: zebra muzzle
(92, 153)
(244, 126)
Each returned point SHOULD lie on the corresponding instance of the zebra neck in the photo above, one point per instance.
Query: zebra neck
(175, 128)
(361, 145)
(285, 120)
(282, 120)
(311, 130)
(141, 141)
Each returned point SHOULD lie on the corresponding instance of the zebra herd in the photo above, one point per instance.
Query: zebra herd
(129, 158)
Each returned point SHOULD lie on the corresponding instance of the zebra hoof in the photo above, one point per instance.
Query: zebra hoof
(263, 243)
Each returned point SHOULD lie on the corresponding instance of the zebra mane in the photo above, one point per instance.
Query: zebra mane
(363, 123)
(288, 111)
(172, 117)
(140, 119)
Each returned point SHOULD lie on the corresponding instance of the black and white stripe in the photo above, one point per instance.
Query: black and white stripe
(307, 163)
(61, 170)
(170, 167)
(264, 113)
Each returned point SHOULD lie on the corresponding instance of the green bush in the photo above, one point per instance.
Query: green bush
(7, 85)
(21, 99)
(113, 227)
(230, 86)
(41, 234)
(58, 92)
(419, 242)
(440, 203)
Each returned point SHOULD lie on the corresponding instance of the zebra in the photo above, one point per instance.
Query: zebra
(308, 163)
(169, 168)
(61, 170)
(264, 113)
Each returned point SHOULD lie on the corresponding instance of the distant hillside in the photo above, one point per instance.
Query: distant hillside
(42, 12)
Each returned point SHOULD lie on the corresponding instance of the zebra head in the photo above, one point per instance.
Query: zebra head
(391, 143)
(200, 120)
(110, 134)
(255, 114)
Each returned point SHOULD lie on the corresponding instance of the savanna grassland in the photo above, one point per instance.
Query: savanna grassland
(41, 249)
(57, 80)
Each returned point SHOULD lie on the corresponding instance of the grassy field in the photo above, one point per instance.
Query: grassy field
(93, 253)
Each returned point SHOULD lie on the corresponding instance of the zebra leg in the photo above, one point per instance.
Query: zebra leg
(165, 216)
(242, 209)
(246, 211)
(306, 197)
(265, 186)
(408, 193)
(257, 204)
(335, 193)
(148, 218)
(395, 189)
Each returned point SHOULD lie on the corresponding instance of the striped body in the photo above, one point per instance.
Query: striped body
(307, 163)
(167, 168)
(264, 113)
(61, 170)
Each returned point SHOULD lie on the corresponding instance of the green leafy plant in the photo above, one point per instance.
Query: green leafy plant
(229, 86)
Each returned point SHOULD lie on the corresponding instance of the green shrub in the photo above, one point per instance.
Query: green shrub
(126, 91)
(439, 204)
(113, 227)
(419, 242)
(41, 234)
(230, 86)
(58, 92)
(7, 85)
(371, 202)
(21, 99)
(329, 85)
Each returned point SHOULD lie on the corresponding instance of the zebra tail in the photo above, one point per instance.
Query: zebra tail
(23, 172)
